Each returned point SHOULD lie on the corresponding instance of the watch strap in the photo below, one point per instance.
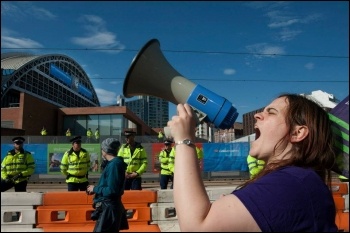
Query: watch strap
(186, 142)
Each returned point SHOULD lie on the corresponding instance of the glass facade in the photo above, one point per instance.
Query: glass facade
(108, 124)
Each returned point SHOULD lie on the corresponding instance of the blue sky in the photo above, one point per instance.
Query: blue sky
(247, 52)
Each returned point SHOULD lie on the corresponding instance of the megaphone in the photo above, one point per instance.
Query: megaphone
(151, 74)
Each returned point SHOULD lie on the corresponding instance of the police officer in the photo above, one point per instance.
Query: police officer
(160, 136)
(97, 135)
(16, 168)
(43, 131)
(75, 165)
(254, 166)
(135, 157)
(165, 174)
(68, 133)
(88, 135)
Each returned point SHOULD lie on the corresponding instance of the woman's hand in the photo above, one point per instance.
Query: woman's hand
(90, 189)
(183, 125)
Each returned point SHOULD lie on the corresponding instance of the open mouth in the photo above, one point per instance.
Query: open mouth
(257, 133)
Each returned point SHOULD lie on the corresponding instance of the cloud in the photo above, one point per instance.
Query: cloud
(97, 36)
(286, 34)
(41, 13)
(25, 10)
(10, 39)
(12, 42)
(229, 71)
(106, 97)
(282, 17)
(265, 50)
(10, 9)
(309, 66)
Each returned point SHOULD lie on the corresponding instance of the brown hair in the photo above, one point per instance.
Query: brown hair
(316, 150)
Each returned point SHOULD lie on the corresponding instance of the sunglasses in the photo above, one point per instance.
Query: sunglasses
(19, 143)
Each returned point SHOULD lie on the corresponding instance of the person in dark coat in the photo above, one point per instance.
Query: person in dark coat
(110, 214)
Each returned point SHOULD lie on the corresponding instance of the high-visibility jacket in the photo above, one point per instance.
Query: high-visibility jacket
(171, 161)
(43, 132)
(160, 135)
(254, 165)
(97, 134)
(16, 163)
(68, 133)
(136, 161)
(75, 166)
(200, 156)
(89, 133)
(164, 162)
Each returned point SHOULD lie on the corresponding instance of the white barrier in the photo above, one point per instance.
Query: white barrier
(18, 212)
(164, 212)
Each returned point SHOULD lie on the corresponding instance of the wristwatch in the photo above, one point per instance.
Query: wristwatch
(187, 142)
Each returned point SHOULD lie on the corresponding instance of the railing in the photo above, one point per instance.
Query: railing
(41, 160)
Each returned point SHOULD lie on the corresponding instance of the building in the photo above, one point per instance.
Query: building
(325, 100)
(54, 78)
(249, 121)
(152, 110)
(54, 91)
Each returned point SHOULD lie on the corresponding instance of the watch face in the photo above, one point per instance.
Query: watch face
(186, 141)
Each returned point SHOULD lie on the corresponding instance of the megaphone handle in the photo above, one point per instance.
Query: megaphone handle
(200, 116)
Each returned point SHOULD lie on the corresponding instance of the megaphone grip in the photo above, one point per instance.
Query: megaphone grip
(219, 110)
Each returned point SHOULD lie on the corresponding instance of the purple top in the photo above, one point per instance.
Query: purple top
(290, 199)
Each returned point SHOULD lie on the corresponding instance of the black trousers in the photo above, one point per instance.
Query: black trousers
(133, 184)
(77, 186)
(164, 180)
(20, 187)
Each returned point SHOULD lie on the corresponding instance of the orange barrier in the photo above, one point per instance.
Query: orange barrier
(71, 211)
(64, 214)
(339, 202)
(340, 188)
(90, 228)
(139, 196)
(67, 198)
(342, 221)
(339, 192)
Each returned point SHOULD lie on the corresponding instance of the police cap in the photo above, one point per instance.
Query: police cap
(18, 140)
(129, 133)
(168, 142)
(76, 139)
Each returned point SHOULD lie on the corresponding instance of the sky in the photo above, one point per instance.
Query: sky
(244, 51)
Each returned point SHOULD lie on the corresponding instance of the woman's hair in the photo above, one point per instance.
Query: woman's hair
(316, 150)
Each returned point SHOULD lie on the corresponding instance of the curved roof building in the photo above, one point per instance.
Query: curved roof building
(54, 78)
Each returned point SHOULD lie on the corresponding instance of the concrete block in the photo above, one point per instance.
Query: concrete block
(346, 198)
(163, 211)
(21, 199)
(168, 226)
(20, 228)
(165, 196)
(27, 215)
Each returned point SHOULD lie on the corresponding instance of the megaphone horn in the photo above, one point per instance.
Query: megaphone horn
(151, 74)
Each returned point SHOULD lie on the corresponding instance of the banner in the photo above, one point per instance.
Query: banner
(339, 116)
(157, 147)
(55, 153)
(39, 152)
(225, 156)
